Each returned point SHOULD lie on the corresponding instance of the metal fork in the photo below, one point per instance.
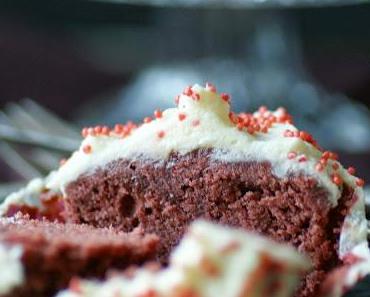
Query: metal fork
(32, 141)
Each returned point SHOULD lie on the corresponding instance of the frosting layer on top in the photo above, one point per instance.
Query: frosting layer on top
(203, 119)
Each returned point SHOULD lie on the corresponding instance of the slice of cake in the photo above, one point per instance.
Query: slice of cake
(200, 160)
(210, 261)
(38, 258)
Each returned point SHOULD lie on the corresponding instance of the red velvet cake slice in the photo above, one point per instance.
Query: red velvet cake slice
(210, 261)
(201, 160)
(38, 257)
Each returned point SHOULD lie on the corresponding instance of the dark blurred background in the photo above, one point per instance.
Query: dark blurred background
(92, 61)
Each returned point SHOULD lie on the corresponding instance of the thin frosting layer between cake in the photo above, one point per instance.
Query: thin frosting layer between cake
(211, 261)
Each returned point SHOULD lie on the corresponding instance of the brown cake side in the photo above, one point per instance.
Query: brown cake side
(53, 253)
(163, 197)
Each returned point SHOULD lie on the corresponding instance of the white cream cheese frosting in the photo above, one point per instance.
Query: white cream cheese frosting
(211, 260)
(206, 124)
(11, 268)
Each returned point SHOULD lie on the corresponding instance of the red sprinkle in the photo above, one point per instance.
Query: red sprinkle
(250, 130)
(305, 136)
(97, 129)
(288, 133)
(324, 162)
(105, 130)
(335, 166)
(211, 87)
(195, 123)
(84, 132)
(333, 156)
(158, 113)
(147, 120)
(195, 96)
(90, 131)
(264, 129)
(302, 158)
(188, 91)
(161, 134)
(233, 117)
(262, 109)
(319, 167)
(351, 170)
(225, 97)
(118, 128)
(325, 155)
(87, 149)
(337, 179)
(360, 182)
(292, 155)
(182, 116)
(62, 162)
(329, 155)
(148, 293)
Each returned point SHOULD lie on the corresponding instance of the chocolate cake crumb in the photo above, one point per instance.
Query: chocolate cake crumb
(163, 197)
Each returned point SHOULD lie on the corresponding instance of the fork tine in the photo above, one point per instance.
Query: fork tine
(22, 119)
(56, 124)
(53, 142)
(45, 159)
(17, 162)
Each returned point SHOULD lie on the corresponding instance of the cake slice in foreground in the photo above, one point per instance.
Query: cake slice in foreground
(210, 261)
(38, 258)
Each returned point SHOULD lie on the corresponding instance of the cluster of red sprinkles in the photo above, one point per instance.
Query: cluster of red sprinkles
(323, 163)
(190, 93)
(305, 136)
(118, 130)
(259, 122)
